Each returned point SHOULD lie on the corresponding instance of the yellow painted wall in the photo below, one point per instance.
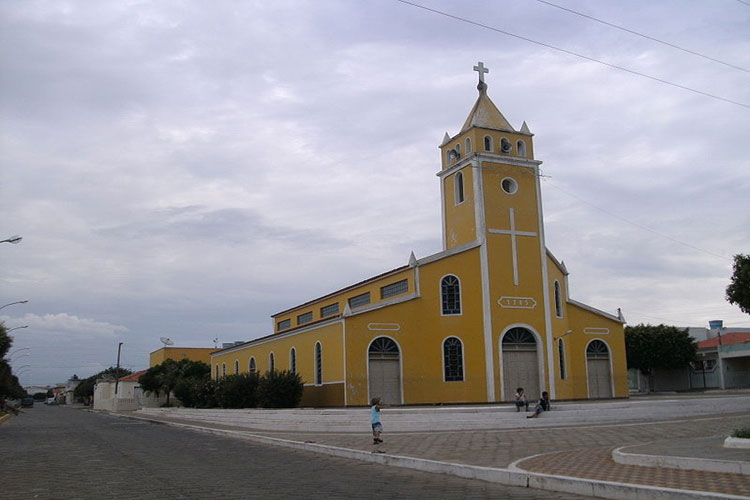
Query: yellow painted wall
(178, 353)
(420, 335)
(329, 336)
(459, 217)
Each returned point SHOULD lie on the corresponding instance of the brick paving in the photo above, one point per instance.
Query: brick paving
(576, 451)
(597, 463)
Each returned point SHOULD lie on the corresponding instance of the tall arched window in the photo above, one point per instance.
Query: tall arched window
(558, 300)
(251, 365)
(487, 143)
(561, 355)
(458, 186)
(217, 372)
(271, 363)
(450, 290)
(318, 364)
(453, 363)
(236, 367)
(521, 148)
(293, 360)
(223, 369)
(468, 145)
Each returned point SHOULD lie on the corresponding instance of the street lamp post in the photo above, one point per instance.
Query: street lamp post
(117, 373)
(14, 240)
(16, 328)
(19, 302)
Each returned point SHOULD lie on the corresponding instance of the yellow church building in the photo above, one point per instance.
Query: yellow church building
(489, 313)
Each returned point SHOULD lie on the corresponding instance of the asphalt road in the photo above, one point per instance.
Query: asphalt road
(63, 453)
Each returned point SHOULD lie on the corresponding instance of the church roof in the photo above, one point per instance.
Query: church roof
(485, 114)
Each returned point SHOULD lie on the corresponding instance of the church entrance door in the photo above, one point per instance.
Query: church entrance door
(599, 374)
(520, 364)
(384, 363)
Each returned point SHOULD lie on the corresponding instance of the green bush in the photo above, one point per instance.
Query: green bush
(742, 433)
(280, 389)
(238, 391)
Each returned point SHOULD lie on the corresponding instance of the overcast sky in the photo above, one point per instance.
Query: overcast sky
(186, 169)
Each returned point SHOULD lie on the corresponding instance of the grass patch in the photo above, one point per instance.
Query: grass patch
(742, 433)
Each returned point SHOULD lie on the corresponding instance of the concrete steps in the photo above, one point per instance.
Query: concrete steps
(447, 418)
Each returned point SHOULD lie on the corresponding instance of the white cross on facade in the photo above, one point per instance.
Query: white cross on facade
(481, 70)
(514, 246)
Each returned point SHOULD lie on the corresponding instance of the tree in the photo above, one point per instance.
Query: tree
(165, 377)
(9, 385)
(738, 291)
(659, 347)
(85, 389)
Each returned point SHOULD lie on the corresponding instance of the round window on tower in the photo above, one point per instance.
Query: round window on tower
(509, 185)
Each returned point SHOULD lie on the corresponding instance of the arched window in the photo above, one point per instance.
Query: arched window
(487, 143)
(558, 300)
(597, 350)
(318, 364)
(251, 365)
(293, 360)
(458, 187)
(521, 148)
(450, 290)
(236, 367)
(223, 369)
(217, 372)
(453, 363)
(468, 145)
(561, 355)
(458, 149)
(271, 363)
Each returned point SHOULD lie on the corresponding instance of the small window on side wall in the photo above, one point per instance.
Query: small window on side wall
(521, 148)
(487, 143)
(558, 300)
(453, 363)
(458, 187)
(450, 291)
(468, 145)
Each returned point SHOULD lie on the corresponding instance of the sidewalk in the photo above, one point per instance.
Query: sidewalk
(549, 453)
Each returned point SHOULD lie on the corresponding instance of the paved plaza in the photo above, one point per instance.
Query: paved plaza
(63, 453)
(553, 445)
(82, 454)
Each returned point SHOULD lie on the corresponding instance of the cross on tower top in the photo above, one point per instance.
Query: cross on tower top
(481, 70)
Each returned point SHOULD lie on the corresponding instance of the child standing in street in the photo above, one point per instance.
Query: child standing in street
(521, 400)
(377, 427)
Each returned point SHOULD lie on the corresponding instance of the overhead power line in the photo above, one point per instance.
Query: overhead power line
(640, 226)
(569, 52)
(643, 36)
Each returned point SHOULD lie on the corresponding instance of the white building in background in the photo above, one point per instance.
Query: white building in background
(129, 394)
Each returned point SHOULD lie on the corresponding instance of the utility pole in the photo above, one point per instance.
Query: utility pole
(117, 370)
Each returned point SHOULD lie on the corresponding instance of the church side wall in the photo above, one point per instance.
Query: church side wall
(581, 322)
(329, 393)
(419, 328)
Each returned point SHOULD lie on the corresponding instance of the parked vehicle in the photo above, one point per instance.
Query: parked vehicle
(27, 402)
(50, 401)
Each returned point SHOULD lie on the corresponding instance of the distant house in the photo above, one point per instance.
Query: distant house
(723, 363)
(725, 358)
(129, 395)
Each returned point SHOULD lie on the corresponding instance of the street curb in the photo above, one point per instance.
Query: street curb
(683, 463)
(511, 476)
(4, 418)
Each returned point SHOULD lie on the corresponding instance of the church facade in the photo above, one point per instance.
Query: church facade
(489, 313)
